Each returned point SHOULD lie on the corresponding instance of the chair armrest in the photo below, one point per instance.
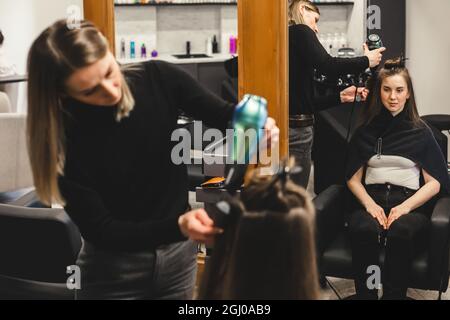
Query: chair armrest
(329, 215)
(328, 198)
(439, 240)
(21, 289)
(439, 121)
(11, 197)
(22, 198)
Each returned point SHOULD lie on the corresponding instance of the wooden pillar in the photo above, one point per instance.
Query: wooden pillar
(263, 58)
(101, 12)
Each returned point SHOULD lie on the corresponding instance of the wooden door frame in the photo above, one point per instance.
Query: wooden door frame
(101, 13)
(263, 58)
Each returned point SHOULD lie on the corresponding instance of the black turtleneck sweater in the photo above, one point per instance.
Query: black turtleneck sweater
(306, 53)
(120, 185)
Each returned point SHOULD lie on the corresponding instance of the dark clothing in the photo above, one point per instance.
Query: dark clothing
(398, 136)
(306, 53)
(300, 147)
(167, 273)
(402, 242)
(120, 185)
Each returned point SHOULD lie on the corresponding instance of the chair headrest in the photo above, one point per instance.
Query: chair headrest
(5, 103)
(439, 121)
(231, 66)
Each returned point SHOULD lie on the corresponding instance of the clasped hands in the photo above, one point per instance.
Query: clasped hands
(386, 221)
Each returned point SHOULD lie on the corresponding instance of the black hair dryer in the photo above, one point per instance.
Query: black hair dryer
(374, 42)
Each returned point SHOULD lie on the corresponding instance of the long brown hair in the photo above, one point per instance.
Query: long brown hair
(294, 14)
(270, 249)
(375, 105)
(53, 57)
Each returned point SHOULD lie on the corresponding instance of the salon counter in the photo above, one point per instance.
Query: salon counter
(210, 72)
(12, 79)
(215, 58)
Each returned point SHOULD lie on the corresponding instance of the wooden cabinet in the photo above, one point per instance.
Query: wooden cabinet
(210, 75)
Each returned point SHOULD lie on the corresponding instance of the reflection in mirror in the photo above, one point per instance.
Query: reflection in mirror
(325, 64)
(198, 36)
(374, 165)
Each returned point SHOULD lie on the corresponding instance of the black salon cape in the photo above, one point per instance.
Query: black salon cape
(399, 138)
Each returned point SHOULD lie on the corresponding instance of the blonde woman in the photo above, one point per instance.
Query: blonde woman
(306, 54)
(100, 145)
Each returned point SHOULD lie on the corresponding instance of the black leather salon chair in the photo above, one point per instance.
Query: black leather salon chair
(439, 123)
(26, 197)
(230, 85)
(36, 247)
(430, 270)
(330, 146)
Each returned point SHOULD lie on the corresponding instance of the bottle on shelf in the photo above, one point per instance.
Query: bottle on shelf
(322, 41)
(132, 50)
(336, 44)
(233, 45)
(209, 46)
(143, 51)
(215, 45)
(343, 41)
(123, 53)
(328, 42)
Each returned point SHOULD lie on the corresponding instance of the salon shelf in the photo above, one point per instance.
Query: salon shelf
(13, 79)
(174, 4)
(346, 3)
(334, 3)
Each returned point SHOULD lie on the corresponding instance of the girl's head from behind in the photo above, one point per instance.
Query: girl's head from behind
(274, 257)
(272, 251)
(304, 12)
(394, 92)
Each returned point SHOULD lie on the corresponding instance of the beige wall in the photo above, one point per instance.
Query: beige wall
(22, 21)
(428, 47)
(15, 171)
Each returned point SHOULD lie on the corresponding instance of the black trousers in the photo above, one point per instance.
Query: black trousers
(300, 147)
(166, 273)
(402, 241)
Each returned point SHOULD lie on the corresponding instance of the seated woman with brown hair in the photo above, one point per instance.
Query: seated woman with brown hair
(267, 250)
(395, 169)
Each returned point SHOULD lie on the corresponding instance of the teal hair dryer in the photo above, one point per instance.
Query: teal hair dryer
(249, 119)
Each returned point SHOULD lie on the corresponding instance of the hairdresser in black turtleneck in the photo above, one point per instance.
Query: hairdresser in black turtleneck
(100, 144)
(306, 53)
(395, 170)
